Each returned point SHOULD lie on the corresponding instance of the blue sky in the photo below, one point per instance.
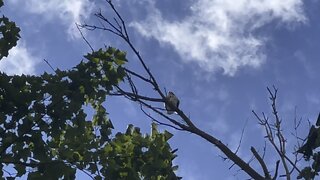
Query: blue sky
(217, 56)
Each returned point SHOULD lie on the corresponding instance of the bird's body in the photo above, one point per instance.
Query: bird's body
(173, 100)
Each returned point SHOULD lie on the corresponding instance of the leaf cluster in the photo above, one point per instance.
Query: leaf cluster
(45, 131)
(140, 157)
(10, 35)
(310, 151)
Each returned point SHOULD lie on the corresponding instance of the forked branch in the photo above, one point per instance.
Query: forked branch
(117, 27)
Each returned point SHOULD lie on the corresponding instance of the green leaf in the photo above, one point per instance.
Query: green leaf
(21, 170)
(54, 120)
(167, 135)
(35, 176)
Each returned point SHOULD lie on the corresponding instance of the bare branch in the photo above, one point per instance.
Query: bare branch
(233, 157)
(261, 162)
(85, 39)
(128, 95)
(132, 85)
(281, 151)
(138, 76)
(135, 96)
(264, 149)
(240, 141)
(242, 132)
(159, 122)
(276, 172)
(92, 27)
(47, 62)
(119, 29)
(274, 131)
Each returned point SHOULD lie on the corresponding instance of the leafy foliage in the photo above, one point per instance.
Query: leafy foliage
(310, 152)
(10, 35)
(43, 125)
(136, 156)
(46, 132)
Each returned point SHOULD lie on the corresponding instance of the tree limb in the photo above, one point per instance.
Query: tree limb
(261, 162)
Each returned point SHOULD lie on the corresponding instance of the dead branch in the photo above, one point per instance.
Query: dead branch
(261, 162)
(274, 130)
(84, 38)
(276, 172)
(118, 28)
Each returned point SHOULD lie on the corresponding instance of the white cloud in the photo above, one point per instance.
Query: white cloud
(310, 69)
(67, 12)
(20, 61)
(219, 34)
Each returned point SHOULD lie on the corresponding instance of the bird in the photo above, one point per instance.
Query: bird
(173, 100)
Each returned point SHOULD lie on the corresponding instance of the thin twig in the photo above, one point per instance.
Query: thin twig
(159, 122)
(240, 141)
(136, 96)
(261, 162)
(189, 126)
(276, 172)
(85, 39)
(47, 62)
(138, 75)
(242, 132)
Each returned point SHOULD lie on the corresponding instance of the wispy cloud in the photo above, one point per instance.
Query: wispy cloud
(313, 98)
(220, 35)
(66, 12)
(310, 69)
(219, 126)
(20, 61)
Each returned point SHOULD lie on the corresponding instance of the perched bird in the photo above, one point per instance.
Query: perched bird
(173, 100)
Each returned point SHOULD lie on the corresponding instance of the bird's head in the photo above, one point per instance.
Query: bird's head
(170, 94)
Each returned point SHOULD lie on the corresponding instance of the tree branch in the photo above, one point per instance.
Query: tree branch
(119, 29)
(261, 162)
(276, 172)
